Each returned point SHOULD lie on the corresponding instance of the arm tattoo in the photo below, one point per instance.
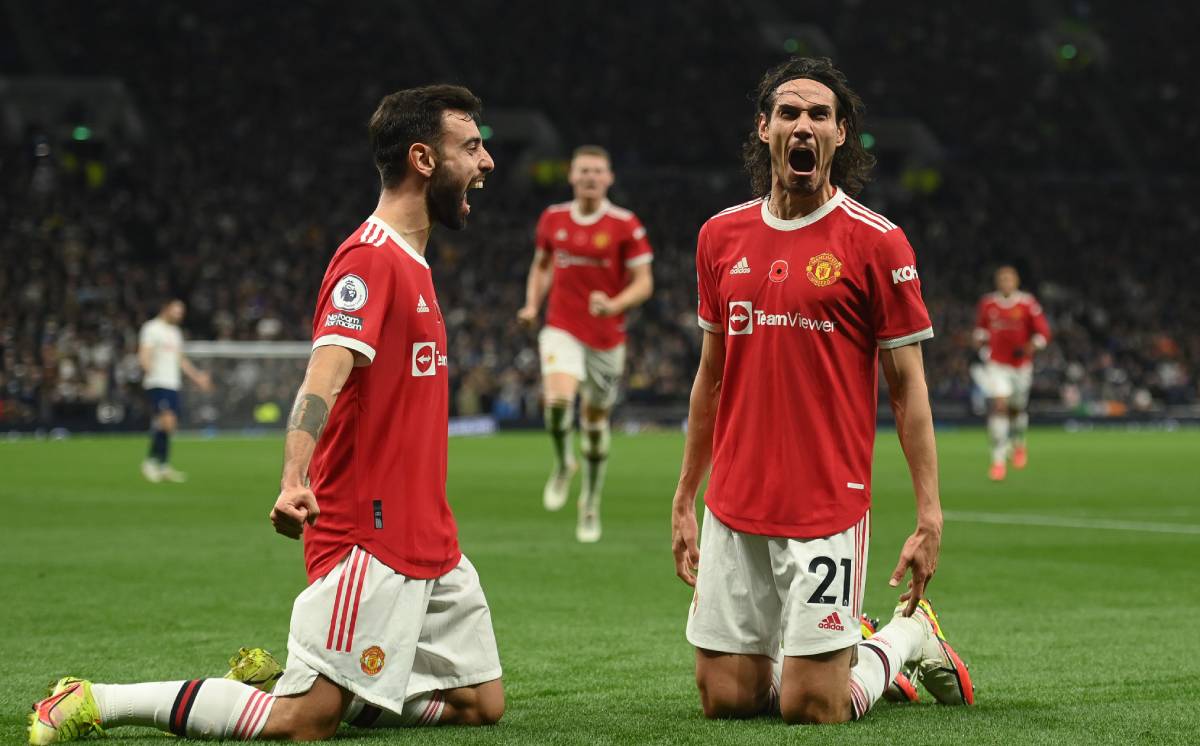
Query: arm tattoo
(310, 415)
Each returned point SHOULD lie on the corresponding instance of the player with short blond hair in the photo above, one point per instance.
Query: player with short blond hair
(593, 260)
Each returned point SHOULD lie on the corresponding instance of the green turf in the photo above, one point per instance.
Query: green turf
(1074, 635)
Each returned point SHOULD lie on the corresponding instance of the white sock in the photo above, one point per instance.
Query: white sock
(1020, 423)
(200, 708)
(423, 709)
(998, 432)
(596, 440)
(880, 659)
(776, 684)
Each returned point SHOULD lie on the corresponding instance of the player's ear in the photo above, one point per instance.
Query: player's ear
(841, 140)
(422, 158)
(762, 127)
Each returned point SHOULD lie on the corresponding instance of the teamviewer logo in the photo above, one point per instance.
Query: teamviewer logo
(741, 317)
(424, 358)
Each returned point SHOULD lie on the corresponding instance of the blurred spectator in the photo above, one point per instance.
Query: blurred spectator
(256, 167)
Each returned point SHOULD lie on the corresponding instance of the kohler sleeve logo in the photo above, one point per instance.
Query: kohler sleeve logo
(904, 274)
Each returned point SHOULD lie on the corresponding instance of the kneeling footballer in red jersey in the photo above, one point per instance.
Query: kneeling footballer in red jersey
(803, 292)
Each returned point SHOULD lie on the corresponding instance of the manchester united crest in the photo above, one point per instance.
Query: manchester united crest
(601, 240)
(372, 659)
(824, 269)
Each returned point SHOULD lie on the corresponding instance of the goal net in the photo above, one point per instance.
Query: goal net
(254, 383)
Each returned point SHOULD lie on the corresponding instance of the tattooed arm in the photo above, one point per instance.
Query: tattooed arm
(327, 371)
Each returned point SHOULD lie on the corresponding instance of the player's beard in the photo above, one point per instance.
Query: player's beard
(444, 200)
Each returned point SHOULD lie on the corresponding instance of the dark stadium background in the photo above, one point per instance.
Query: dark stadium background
(217, 151)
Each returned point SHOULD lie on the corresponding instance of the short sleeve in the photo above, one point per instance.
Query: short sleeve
(636, 248)
(898, 312)
(709, 312)
(541, 236)
(146, 335)
(355, 295)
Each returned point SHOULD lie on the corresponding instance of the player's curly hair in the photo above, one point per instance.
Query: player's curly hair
(852, 164)
(409, 116)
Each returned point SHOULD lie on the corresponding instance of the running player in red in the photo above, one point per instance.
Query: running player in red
(803, 293)
(1009, 328)
(593, 259)
(394, 628)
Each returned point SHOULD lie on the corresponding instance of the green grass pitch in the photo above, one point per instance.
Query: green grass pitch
(1073, 589)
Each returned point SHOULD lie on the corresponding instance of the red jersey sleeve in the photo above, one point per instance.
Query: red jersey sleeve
(636, 249)
(354, 300)
(1039, 329)
(709, 312)
(897, 309)
(541, 236)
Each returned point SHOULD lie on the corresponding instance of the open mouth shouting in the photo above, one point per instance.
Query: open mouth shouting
(802, 161)
(476, 184)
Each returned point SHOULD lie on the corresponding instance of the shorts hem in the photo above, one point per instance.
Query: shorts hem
(830, 646)
(319, 669)
(457, 682)
(732, 648)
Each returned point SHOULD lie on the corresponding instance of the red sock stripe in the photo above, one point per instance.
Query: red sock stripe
(183, 706)
(858, 700)
(257, 716)
(337, 600)
(430, 709)
(887, 667)
(362, 576)
(250, 702)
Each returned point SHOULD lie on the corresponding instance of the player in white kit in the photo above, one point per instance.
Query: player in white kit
(160, 353)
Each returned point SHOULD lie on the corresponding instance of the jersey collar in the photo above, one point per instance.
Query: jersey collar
(404, 246)
(790, 225)
(580, 219)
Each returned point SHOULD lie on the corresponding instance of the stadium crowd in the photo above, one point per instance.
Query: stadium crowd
(235, 204)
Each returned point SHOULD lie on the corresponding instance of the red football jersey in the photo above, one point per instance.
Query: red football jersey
(379, 470)
(805, 305)
(1009, 324)
(590, 252)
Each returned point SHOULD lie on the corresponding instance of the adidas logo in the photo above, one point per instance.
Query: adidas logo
(833, 621)
(421, 305)
(741, 268)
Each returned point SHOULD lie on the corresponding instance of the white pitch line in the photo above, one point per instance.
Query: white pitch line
(1015, 519)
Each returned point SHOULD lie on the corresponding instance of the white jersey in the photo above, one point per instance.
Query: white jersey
(165, 342)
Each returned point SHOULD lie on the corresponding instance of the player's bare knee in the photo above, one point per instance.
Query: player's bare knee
(489, 710)
(723, 700)
(167, 422)
(814, 708)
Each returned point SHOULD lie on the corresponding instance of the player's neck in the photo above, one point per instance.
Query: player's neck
(787, 205)
(408, 215)
(588, 206)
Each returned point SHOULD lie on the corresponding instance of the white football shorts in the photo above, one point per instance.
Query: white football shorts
(1008, 382)
(762, 595)
(387, 637)
(599, 371)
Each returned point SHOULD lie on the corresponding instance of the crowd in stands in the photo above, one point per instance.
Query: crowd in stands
(255, 167)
